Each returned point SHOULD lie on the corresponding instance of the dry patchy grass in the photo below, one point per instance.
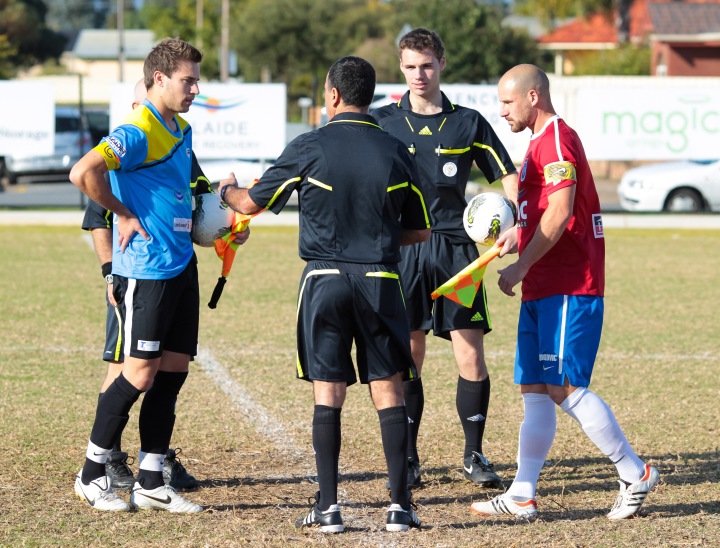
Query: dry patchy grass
(248, 439)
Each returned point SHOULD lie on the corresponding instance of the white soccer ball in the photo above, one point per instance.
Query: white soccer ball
(487, 216)
(212, 219)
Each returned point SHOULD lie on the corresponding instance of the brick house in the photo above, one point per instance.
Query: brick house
(684, 36)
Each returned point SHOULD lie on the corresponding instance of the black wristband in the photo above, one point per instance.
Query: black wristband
(223, 190)
(106, 269)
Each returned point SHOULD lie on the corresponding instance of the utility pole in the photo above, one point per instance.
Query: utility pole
(199, 24)
(224, 40)
(121, 38)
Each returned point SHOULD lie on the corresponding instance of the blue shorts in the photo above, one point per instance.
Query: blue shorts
(558, 339)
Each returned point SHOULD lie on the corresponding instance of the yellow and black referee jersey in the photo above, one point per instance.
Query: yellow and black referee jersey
(357, 191)
(445, 145)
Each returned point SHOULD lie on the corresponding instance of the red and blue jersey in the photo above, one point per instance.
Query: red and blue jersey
(575, 265)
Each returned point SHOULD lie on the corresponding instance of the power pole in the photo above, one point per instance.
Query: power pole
(224, 40)
(199, 24)
(121, 38)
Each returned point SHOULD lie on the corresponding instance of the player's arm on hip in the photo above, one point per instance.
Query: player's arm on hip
(88, 174)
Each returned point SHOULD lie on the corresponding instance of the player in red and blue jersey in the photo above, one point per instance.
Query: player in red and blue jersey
(561, 265)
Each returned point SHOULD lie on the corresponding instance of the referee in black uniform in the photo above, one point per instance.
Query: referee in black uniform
(359, 202)
(445, 139)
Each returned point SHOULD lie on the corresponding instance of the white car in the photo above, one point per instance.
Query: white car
(691, 186)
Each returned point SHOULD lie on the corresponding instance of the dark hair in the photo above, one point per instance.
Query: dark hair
(420, 39)
(354, 78)
(166, 57)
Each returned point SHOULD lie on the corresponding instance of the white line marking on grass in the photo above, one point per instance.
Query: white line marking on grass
(55, 349)
(264, 423)
(258, 415)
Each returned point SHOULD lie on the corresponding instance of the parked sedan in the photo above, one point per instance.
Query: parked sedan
(691, 186)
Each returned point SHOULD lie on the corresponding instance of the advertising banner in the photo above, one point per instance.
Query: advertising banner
(27, 131)
(660, 123)
(240, 121)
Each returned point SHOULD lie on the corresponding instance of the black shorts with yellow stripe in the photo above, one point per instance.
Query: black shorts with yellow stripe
(424, 268)
(341, 303)
(113, 351)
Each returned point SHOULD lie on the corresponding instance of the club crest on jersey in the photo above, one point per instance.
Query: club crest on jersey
(597, 225)
(116, 146)
(450, 169)
(187, 152)
(524, 170)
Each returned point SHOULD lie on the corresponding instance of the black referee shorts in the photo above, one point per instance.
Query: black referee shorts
(113, 351)
(342, 303)
(425, 267)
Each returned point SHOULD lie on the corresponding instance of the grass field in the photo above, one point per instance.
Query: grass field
(244, 422)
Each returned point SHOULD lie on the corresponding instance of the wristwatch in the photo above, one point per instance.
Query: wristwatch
(109, 279)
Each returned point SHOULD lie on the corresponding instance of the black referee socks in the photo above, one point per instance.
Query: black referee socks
(415, 404)
(472, 400)
(110, 419)
(393, 427)
(326, 436)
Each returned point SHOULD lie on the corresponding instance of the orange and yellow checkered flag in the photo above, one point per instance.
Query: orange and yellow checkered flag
(463, 287)
(226, 247)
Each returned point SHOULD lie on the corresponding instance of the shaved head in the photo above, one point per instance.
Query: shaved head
(524, 78)
(524, 93)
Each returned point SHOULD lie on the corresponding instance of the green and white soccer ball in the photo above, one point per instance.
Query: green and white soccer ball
(212, 219)
(487, 216)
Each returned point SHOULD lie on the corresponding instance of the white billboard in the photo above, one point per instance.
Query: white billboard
(241, 121)
(27, 119)
(641, 123)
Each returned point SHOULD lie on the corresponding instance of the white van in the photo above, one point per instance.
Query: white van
(72, 140)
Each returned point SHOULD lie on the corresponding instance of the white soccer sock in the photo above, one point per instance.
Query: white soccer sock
(537, 433)
(152, 462)
(600, 425)
(97, 454)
